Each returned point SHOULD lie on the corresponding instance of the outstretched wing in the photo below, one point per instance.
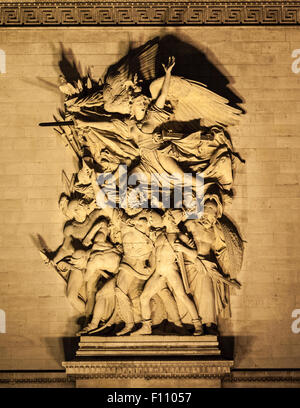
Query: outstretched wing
(234, 245)
(122, 80)
(84, 93)
(140, 62)
(192, 100)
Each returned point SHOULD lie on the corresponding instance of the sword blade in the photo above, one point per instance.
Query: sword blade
(52, 124)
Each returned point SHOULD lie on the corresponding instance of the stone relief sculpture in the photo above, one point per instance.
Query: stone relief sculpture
(131, 258)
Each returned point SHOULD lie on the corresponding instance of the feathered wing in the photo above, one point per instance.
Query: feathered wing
(140, 61)
(138, 65)
(192, 100)
(234, 246)
(119, 81)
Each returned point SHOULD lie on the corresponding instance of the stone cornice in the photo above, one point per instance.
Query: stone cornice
(15, 378)
(148, 369)
(141, 13)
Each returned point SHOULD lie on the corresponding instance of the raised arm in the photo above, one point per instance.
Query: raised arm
(80, 231)
(66, 249)
(161, 100)
(91, 234)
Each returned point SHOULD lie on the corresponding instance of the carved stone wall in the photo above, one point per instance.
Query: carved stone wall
(156, 12)
(257, 60)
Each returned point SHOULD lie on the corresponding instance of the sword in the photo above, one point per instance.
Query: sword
(181, 265)
(64, 123)
(169, 135)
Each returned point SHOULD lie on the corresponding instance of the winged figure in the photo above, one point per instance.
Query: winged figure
(161, 128)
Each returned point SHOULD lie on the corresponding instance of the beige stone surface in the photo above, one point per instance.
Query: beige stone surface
(258, 61)
(120, 1)
(35, 380)
(148, 374)
(148, 346)
(133, 1)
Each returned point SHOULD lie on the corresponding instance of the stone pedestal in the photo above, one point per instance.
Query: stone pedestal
(156, 373)
(148, 362)
(148, 346)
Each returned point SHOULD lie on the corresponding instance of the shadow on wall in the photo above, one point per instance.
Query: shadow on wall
(236, 348)
(55, 348)
(191, 63)
(70, 346)
(62, 348)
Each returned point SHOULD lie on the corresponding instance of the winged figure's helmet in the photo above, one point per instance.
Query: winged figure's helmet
(213, 209)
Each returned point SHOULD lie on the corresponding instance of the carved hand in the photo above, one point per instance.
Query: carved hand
(171, 62)
(179, 247)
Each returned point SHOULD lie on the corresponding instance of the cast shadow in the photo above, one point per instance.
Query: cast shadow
(69, 67)
(191, 63)
(227, 344)
(70, 346)
(55, 348)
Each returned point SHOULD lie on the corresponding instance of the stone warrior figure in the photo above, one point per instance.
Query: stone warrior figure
(104, 259)
(74, 261)
(75, 254)
(145, 128)
(105, 303)
(136, 266)
(113, 122)
(209, 281)
(166, 273)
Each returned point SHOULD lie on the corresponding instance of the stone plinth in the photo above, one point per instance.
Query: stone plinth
(148, 346)
(154, 373)
(148, 362)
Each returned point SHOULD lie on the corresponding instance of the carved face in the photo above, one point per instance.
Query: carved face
(77, 211)
(142, 224)
(104, 227)
(133, 210)
(205, 148)
(84, 175)
(209, 217)
(139, 107)
(109, 167)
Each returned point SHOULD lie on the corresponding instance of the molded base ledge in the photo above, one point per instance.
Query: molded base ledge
(148, 345)
(148, 374)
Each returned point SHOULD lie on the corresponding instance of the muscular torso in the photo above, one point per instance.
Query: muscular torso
(204, 238)
(136, 244)
(142, 133)
(165, 255)
(142, 138)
